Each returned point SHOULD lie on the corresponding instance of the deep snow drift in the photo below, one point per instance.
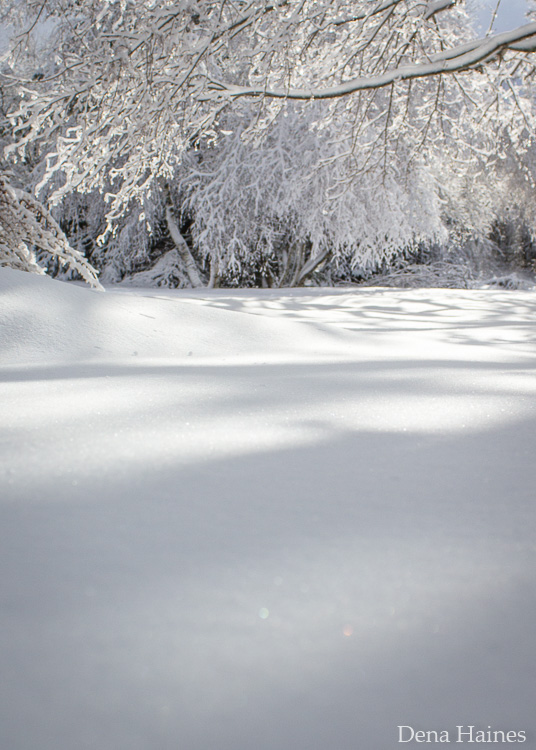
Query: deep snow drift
(273, 520)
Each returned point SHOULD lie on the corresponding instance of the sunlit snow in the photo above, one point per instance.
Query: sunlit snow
(264, 520)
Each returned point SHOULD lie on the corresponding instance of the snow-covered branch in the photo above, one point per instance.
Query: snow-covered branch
(454, 60)
(26, 226)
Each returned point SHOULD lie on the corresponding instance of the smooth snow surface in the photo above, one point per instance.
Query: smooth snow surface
(264, 520)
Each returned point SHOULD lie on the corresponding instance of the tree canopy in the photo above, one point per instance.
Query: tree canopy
(284, 131)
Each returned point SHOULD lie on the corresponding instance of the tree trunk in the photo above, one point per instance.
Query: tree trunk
(310, 265)
(213, 280)
(183, 249)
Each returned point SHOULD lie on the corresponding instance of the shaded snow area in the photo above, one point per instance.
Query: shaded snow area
(265, 520)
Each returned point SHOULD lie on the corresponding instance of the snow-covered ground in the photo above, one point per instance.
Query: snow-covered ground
(264, 520)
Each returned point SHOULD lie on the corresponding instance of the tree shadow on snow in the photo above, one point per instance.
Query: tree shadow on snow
(370, 571)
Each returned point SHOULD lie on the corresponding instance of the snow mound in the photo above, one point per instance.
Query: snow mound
(44, 319)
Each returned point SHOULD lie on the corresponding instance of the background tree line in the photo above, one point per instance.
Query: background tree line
(261, 143)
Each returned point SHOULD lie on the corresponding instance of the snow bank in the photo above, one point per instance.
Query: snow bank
(44, 319)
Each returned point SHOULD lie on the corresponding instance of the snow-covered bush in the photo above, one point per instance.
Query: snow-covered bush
(295, 199)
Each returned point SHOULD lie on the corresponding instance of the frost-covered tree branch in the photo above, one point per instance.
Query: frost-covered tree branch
(123, 90)
(26, 226)
(458, 59)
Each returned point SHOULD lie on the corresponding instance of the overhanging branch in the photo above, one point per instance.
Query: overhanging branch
(464, 57)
